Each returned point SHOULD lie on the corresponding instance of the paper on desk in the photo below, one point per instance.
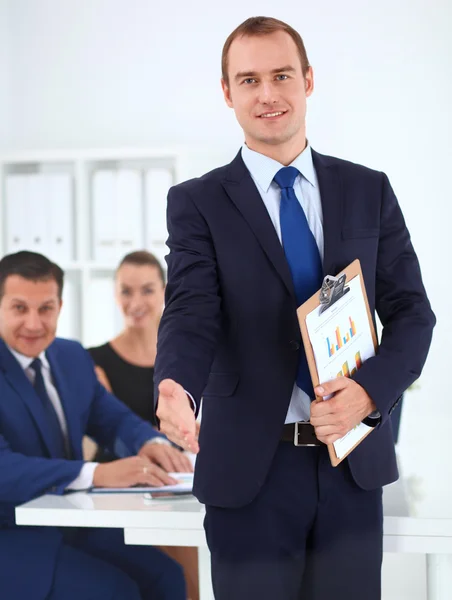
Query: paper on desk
(184, 484)
(341, 340)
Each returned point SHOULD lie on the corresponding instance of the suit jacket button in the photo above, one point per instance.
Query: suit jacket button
(294, 345)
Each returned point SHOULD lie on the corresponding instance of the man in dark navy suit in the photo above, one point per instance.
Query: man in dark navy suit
(49, 399)
(249, 242)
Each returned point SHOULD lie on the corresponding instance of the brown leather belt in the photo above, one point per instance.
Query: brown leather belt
(300, 434)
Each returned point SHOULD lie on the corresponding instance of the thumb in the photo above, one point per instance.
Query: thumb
(168, 387)
(329, 387)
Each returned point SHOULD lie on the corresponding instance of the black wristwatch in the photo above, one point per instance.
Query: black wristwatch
(373, 419)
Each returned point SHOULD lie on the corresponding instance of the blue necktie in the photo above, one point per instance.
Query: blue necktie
(302, 255)
(52, 420)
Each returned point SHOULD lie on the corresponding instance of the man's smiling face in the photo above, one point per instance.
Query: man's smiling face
(267, 90)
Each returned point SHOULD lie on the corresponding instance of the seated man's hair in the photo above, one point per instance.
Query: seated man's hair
(31, 266)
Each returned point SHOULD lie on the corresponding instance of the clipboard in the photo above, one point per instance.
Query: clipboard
(333, 289)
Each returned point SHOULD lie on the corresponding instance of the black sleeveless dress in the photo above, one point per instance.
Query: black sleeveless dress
(130, 383)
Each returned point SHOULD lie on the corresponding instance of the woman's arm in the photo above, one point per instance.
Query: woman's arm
(103, 379)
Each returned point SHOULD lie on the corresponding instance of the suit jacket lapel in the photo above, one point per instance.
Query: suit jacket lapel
(19, 381)
(68, 401)
(331, 195)
(241, 189)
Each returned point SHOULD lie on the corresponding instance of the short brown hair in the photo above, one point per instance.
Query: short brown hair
(143, 258)
(255, 26)
(31, 266)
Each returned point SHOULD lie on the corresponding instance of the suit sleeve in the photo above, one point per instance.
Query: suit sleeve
(190, 323)
(403, 308)
(23, 478)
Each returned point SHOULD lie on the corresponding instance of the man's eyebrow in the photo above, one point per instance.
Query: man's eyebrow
(242, 74)
(24, 300)
(285, 69)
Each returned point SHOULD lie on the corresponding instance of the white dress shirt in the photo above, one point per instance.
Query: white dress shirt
(262, 170)
(85, 478)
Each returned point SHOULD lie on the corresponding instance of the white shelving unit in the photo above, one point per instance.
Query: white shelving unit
(89, 313)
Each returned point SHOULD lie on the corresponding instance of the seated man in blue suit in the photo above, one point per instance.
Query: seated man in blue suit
(49, 399)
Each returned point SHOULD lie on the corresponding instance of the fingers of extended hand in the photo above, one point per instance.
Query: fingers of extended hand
(180, 437)
(179, 425)
(189, 441)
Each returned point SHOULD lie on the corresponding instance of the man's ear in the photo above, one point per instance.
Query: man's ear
(309, 82)
(226, 93)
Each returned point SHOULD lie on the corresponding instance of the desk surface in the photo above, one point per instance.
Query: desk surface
(137, 511)
(82, 509)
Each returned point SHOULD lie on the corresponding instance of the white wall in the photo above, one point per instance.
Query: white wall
(114, 72)
(5, 87)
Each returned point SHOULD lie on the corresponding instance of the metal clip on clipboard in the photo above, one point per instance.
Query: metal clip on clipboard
(332, 289)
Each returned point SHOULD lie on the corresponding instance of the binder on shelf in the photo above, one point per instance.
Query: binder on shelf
(117, 213)
(104, 215)
(157, 183)
(62, 218)
(16, 192)
(38, 206)
(129, 212)
(338, 336)
(39, 214)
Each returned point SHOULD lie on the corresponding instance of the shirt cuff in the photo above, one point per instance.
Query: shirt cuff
(192, 400)
(158, 440)
(85, 478)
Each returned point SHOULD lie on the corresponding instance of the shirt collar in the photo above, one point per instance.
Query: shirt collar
(263, 168)
(25, 361)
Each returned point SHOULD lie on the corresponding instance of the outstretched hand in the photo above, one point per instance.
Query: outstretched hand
(176, 415)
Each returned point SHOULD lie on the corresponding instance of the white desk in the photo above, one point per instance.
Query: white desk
(180, 523)
(145, 522)
(420, 534)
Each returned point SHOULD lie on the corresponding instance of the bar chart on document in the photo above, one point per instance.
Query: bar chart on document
(340, 337)
(341, 340)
